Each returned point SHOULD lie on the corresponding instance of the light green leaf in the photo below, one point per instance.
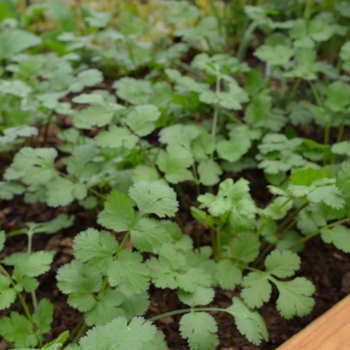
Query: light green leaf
(15, 41)
(343, 181)
(256, 289)
(130, 336)
(7, 294)
(2, 240)
(257, 111)
(248, 322)
(89, 77)
(129, 273)
(337, 97)
(233, 149)
(294, 298)
(209, 172)
(182, 12)
(201, 296)
(43, 316)
(282, 263)
(245, 247)
(227, 274)
(199, 328)
(144, 173)
(179, 134)
(62, 191)
(116, 137)
(106, 308)
(329, 195)
(118, 213)
(135, 91)
(338, 235)
(9, 189)
(91, 116)
(136, 304)
(149, 234)
(141, 119)
(18, 330)
(154, 198)
(275, 55)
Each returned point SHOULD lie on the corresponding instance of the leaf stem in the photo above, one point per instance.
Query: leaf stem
(216, 111)
(80, 332)
(308, 237)
(295, 88)
(286, 221)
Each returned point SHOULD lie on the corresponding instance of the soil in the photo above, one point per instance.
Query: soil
(327, 267)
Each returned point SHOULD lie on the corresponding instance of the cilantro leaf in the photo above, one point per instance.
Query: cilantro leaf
(174, 162)
(94, 245)
(7, 293)
(118, 213)
(141, 119)
(282, 263)
(227, 274)
(9, 189)
(106, 308)
(209, 172)
(201, 296)
(93, 115)
(199, 328)
(343, 180)
(130, 336)
(294, 298)
(89, 77)
(43, 316)
(233, 149)
(2, 239)
(136, 304)
(245, 247)
(149, 234)
(133, 90)
(338, 235)
(275, 55)
(129, 273)
(116, 137)
(179, 134)
(17, 329)
(257, 289)
(248, 322)
(154, 198)
(80, 282)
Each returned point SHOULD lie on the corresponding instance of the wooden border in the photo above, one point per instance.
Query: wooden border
(331, 331)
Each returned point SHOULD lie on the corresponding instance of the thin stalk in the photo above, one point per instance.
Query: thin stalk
(262, 255)
(308, 9)
(218, 241)
(213, 241)
(80, 333)
(218, 17)
(294, 91)
(77, 327)
(244, 42)
(307, 238)
(184, 311)
(286, 221)
(125, 239)
(341, 129)
(180, 223)
(46, 130)
(19, 295)
(190, 69)
(216, 111)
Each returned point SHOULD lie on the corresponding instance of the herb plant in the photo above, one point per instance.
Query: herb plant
(131, 151)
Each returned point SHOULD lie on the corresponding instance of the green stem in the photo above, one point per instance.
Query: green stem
(180, 223)
(216, 111)
(125, 239)
(294, 91)
(19, 295)
(341, 129)
(46, 131)
(80, 333)
(308, 9)
(308, 237)
(244, 42)
(184, 311)
(286, 221)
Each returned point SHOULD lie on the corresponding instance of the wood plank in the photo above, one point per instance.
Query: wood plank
(331, 331)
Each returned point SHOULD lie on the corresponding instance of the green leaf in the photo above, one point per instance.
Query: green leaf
(63, 15)
(106, 308)
(116, 137)
(179, 134)
(256, 289)
(15, 41)
(308, 176)
(129, 273)
(91, 116)
(80, 282)
(342, 147)
(11, 134)
(182, 12)
(343, 181)
(133, 90)
(201, 296)
(86, 78)
(282, 263)
(149, 234)
(118, 213)
(209, 172)
(257, 111)
(141, 119)
(154, 198)
(136, 304)
(227, 274)
(254, 82)
(275, 55)
(144, 173)
(9, 189)
(294, 298)
(319, 30)
(248, 322)
(338, 235)
(95, 245)
(233, 149)
(245, 247)
(329, 195)
(18, 330)
(7, 294)
(130, 336)
(199, 328)
(174, 163)
(43, 316)
(337, 97)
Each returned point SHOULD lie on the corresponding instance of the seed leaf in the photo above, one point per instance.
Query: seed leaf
(199, 328)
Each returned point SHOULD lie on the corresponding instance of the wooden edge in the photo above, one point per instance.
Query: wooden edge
(331, 331)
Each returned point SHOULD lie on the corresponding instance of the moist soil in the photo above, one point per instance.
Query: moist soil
(324, 265)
